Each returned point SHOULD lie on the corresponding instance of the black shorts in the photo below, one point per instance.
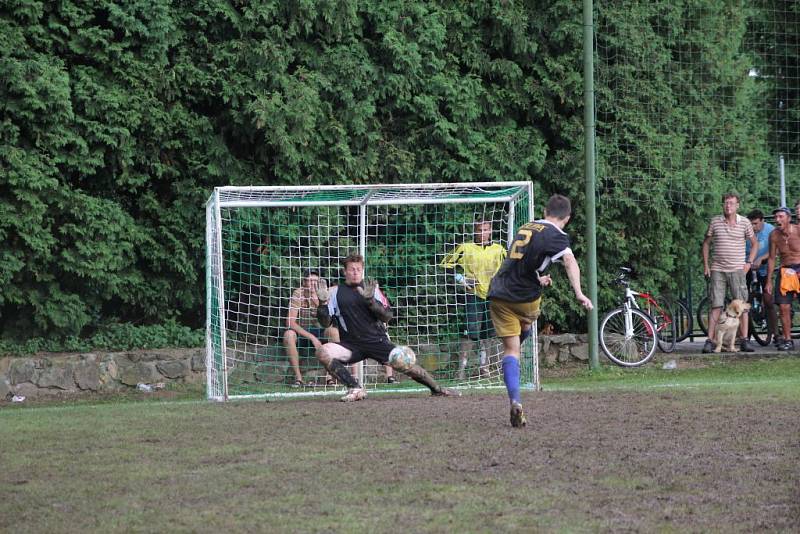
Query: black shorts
(378, 350)
(479, 323)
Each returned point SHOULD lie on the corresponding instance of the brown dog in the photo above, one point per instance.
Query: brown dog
(728, 325)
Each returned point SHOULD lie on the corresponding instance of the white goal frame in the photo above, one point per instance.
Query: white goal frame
(231, 351)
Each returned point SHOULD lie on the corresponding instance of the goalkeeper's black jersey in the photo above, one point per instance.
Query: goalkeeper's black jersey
(353, 317)
(536, 245)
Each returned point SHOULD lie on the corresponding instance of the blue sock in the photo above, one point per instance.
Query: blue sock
(525, 335)
(511, 377)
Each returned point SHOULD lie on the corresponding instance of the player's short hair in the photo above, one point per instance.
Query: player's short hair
(755, 215)
(726, 196)
(558, 206)
(352, 258)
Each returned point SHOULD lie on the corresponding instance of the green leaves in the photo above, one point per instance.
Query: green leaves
(118, 118)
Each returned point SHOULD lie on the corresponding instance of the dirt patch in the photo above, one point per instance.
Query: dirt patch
(617, 461)
(688, 460)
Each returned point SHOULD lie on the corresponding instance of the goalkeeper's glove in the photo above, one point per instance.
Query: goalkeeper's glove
(468, 283)
(322, 291)
(368, 291)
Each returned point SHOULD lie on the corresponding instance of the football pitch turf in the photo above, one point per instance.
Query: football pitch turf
(711, 446)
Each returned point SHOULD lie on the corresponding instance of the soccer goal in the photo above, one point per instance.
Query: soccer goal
(264, 244)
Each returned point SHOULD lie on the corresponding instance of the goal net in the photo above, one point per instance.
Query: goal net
(267, 245)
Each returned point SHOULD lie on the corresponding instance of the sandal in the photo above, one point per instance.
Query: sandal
(298, 384)
(330, 382)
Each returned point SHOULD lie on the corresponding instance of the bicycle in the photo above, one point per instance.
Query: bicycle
(759, 325)
(684, 323)
(629, 334)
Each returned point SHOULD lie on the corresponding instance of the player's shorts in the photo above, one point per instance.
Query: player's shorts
(780, 298)
(479, 323)
(378, 350)
(508, 317)
(735, 281)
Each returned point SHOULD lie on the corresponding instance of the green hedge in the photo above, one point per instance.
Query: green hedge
(118, 119)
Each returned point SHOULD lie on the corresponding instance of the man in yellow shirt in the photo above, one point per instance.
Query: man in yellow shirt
(475, 264)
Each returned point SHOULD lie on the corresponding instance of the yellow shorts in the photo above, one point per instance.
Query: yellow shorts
(508, 317)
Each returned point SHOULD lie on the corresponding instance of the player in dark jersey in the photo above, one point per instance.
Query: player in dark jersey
(515, 291)
(361, 311)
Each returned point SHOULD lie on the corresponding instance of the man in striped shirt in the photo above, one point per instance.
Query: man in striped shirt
(728, 232)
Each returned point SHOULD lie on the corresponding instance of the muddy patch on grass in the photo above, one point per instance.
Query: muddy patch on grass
(600, 461)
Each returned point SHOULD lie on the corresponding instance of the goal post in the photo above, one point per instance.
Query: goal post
(264, 242)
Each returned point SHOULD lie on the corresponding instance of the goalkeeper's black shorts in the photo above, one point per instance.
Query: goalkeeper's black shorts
(378, 350)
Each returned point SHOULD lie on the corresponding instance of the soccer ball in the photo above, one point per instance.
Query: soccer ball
(402, 357)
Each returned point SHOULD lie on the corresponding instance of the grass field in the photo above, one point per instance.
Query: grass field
(711, 446)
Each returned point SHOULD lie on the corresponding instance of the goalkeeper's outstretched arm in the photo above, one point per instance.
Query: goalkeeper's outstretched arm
(383, 314)
(377, 304)
(323, 315)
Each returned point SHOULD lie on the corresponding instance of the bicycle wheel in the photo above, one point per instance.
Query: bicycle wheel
(663, 316)
(758, 324)
(761, 335)
(666, 329)
(627, 347)
(683, 321)
(660, 311)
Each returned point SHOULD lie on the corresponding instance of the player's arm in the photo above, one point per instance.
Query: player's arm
(376, 302)
(773, 252)
(705, 251)
(323, 313)
(574, 275)
(761, 259)
(753, 249)
(452, 262)
(453, 259)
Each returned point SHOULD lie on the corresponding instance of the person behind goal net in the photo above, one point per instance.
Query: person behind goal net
(360, 310)
(473, 265)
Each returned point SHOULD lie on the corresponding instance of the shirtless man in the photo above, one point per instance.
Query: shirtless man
(784, 241)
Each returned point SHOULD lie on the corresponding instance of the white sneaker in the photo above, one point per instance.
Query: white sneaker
(354, 394)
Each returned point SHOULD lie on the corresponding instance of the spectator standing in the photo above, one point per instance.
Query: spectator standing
(727, 270)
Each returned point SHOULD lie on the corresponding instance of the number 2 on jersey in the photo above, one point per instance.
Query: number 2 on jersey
(520, 243)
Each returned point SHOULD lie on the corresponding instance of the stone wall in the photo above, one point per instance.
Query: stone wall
(108, 372)
(69, 374)
(562, 349)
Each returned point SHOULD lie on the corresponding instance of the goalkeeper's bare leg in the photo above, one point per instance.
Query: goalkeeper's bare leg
(335, 357)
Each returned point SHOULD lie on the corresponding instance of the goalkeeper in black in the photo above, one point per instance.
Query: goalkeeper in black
(515, 291)
(361, 312)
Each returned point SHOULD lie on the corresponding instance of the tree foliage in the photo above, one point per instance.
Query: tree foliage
(118, 119)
